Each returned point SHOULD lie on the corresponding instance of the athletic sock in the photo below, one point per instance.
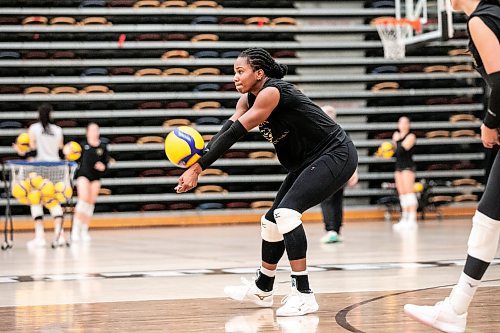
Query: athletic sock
(462, 293)
(265, 280)
(39, 230)
(411, 217)
(301, 281)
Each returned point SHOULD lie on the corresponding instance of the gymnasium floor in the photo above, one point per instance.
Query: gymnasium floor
(171, 280)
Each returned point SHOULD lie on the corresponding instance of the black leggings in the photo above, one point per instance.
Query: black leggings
(489, 204)
(333, 211)
(311, 185)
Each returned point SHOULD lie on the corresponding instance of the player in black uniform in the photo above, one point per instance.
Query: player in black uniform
(315, 150)
(93, 163)
(404, 175)
(450, 315)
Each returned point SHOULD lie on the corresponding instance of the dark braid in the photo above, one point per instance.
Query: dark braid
(259, 58)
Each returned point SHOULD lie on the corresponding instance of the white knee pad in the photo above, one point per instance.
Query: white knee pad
(269, 230)
(36, 211)
(411, 199)
(287, 219)
(56, 211)
(483, 239)
(84, 208)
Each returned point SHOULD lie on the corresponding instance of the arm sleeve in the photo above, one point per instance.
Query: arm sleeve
(492, 118)
(224, 128)
(235, 132)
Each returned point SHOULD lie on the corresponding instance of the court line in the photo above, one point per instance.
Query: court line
(341, 316)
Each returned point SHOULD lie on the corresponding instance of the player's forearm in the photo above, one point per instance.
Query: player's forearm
(492, 117)
(223, 129)
(235, 132)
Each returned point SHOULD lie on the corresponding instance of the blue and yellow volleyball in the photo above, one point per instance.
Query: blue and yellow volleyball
(184, 146)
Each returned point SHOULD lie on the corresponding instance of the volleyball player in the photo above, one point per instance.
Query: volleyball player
(92, 165)
(450, 315)
(404, 175)
(46, 142)
(315, 150)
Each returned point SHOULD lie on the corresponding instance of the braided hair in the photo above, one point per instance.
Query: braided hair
(258, 58)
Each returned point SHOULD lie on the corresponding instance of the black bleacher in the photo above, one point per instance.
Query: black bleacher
(80, 56)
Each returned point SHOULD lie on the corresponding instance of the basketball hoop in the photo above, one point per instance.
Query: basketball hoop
(394, 33)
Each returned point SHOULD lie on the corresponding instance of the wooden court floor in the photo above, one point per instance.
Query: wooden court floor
(374, 312)
(171, 280)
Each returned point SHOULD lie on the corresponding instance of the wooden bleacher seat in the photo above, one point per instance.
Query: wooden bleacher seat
(150, 105)
(99, 20)
(96, 89)
(207, 137)
(235, 154)
(180, 206)
(62, 20)
(458, 52)
(122, 71)
(231, 20)
(176, 122)
(262, 155)
(153, 207)
(206, 71)
(205, 38)
(261, 204)
(67, 123)
(213, 172)
(148, 71)
(465, 198)
(207, 105)
(124, 139)
(148, 37)
(36, 90)
(177, 105)
(437, 134)
(173, 3)
(465, 182)
(35, 55)
(32, 20)
(464, 133)
(147, 4)
(436, 69)
(385, 86)
(461, 68)
(283, 21)
(121, 3)
(150, 139)
(210, 189)
(64, 90)
(176, 71)
(63, 55)
(205, 4)
(179, 37)
(152, 173)
(175, 54)
(105, 191)
(462, 117)
(238, 205)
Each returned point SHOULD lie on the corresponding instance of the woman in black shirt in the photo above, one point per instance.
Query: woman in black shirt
(315, 150)
(93, 163)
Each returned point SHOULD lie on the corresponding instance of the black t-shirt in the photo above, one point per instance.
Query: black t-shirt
(490, 15)
(299, 130)
(404, 158)
(90, 156)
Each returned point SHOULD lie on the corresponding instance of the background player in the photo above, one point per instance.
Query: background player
(450, 315)
(93, 163)
(404, 176)
(318, 154)
(46, 141)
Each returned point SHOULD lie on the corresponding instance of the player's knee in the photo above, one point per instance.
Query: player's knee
(287, 219)
(269, 230)
(36, 212)
(484, 236)
(84, 208)
(56, 211)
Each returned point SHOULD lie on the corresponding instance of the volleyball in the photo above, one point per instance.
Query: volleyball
(50, 203)
(72, 150)
(386, 150)
(184, 146)
(418, 187)
(19, 190)
(23, 142)
(47, 189)
(34, 197)
(23, 201)
(62, 192)
(35, 180)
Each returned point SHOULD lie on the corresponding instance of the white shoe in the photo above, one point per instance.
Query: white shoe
(59, 241)
(86, 236)
(405, 225)
(249, 292)
(303, 324)
(36, 242)
(331, 237)
(297, 304)
(440, 316)
(251, 323)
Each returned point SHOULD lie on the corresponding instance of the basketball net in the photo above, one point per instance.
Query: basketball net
(394, 34)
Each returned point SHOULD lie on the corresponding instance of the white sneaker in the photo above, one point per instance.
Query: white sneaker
(405, 225)
(297, 304)
(440, 316)
(249, 292)
(61, 241)
(303, 324)
(86, 236)
(251, 323)
(331, 237)
(36, 242)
